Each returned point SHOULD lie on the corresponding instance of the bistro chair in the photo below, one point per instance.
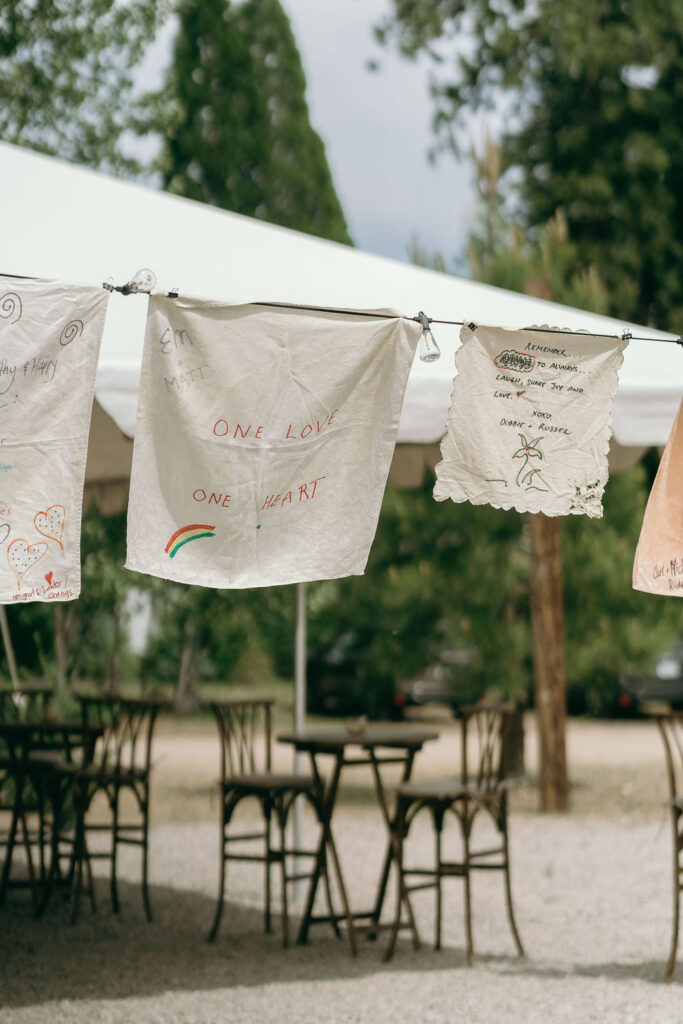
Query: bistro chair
(29, 823)
(28, 703)
(480, 789)
(121, 764)
(244, 729)
(670, 726)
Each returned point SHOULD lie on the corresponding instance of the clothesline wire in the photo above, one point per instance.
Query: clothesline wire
(132, 288)
(127, 289)
(455, 323)
(626, 335)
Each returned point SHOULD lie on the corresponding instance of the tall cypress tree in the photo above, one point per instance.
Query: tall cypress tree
(241, 137)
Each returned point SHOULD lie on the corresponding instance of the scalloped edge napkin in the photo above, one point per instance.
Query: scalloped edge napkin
(530, 420)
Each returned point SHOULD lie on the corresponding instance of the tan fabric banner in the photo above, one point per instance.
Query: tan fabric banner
(529, 423)
(658, 565)
(50, 337)
(263, 441)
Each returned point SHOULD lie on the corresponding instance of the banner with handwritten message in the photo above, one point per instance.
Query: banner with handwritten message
(263, 441)
(658, 565)
(50, 337)
(529, 423)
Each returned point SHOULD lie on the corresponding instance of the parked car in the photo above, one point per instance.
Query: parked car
(665, 686)
(338, 681)
(452, 681)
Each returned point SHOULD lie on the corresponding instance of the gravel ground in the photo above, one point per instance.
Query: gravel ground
(591, 890)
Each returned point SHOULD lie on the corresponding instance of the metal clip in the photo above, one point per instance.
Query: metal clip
(143, 281)
(428, 348)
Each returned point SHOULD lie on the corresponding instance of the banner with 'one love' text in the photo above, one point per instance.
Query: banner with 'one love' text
(263, 440)
(50, 337)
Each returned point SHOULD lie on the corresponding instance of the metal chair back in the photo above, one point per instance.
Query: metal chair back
(127, 726)
(670, 726)
(245, 730)
(25, 703)
(485, 731)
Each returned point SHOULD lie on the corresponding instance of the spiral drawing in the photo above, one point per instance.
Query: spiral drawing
(10, 307)
(72, 331)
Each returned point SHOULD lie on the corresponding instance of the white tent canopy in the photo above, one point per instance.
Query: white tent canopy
(66, 222)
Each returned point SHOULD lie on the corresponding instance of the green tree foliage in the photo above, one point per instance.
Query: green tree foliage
(66, 75)
(594, 97)
(611, 628)
(238, 133)
(439, 578)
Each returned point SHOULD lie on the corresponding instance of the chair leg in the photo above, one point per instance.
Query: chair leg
(328, 893)
(43, 830)
(398, 863)
(113, 887)
(283, 867)
(79, 856)
(508, 891)
(268, 922)
(402, 895)
(55, 800)
(468, 893)
(91, 878)
(221, 883)
(145, 855)
(9, 849)
(668, 974)
(439, 895)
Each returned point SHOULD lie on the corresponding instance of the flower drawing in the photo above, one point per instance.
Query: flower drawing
(528, 451)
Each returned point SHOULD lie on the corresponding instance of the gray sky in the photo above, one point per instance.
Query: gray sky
(376, 128)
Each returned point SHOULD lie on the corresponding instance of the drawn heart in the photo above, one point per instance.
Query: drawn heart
(23, 556)
(4, 532)
(51, 522)
(48, 577)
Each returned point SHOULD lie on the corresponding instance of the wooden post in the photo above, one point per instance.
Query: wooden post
(548, 644)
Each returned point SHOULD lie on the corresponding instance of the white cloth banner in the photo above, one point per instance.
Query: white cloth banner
(50, 337)
(530, 420)
(263, 441)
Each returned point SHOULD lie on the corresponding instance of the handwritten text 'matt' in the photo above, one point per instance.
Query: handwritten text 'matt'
(294, 431)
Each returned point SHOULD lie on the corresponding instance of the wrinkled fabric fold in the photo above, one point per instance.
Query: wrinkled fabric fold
(530, 420)
(50, 336)
(658, 563)
(263, 441)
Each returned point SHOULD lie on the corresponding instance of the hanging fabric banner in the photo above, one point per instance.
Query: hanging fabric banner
(50, 337)
(530, 420)
(263, 441)
(658, 565)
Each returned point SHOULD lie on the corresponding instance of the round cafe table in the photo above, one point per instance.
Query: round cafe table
(22, 744)
(376, 746)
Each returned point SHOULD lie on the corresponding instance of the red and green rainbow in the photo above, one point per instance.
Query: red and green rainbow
(187, 533)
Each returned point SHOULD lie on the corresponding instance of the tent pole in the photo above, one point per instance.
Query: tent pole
(300, 659)
(299, 711)
(9, 650)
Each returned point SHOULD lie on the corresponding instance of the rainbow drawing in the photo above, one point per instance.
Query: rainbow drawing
(187, 533)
